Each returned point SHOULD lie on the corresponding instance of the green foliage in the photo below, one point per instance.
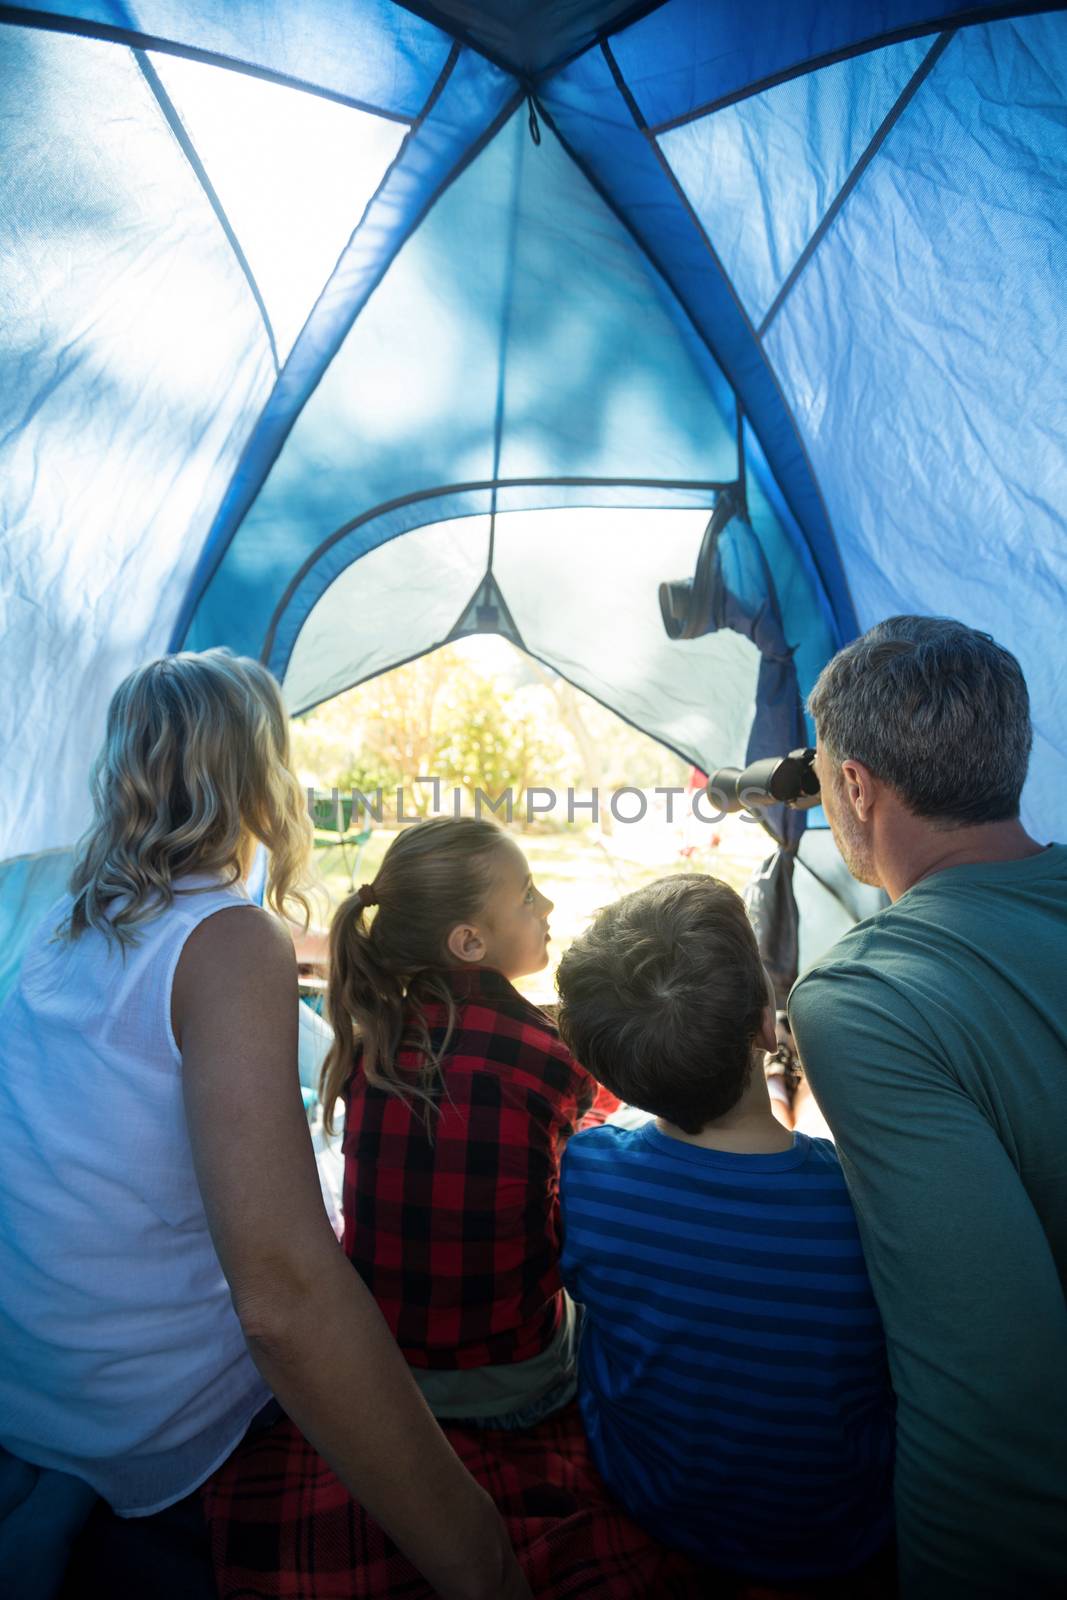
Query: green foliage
(475, 719)
(493, 743)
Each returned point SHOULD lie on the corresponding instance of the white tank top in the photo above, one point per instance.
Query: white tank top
(121, 1357)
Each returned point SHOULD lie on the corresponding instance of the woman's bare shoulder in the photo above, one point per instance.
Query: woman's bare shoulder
(241, 932)
(238, 958)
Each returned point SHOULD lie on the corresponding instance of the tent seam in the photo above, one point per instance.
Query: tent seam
(975, 16)
(436, 91)
(440, 491)
(595, 184)
(431, 100)
(742, 472)
(627, 19)
(529, 80)
(534, 656)
(450, 27)
(184, 141)
(823, 594)
(834, 209)
(198, 587)
(505, 336)
(842, 624)
(107, 33)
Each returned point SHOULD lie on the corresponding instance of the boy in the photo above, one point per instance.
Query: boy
(733, 1376)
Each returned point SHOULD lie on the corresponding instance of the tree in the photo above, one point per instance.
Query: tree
(496, 744)
(442, 716)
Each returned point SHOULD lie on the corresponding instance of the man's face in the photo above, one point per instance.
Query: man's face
(851, 836)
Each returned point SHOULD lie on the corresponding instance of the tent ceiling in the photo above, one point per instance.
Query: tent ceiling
(529, 35)
(282, 284)
(551, 352)
(405, 596)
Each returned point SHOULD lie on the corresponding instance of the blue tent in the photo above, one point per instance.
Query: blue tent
(333, 331)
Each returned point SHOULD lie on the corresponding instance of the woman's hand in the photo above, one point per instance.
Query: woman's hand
(312, 1327)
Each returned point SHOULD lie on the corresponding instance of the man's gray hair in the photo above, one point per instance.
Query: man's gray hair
(935, 709)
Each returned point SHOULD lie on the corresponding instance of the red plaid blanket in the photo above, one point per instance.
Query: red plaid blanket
(284, 1527)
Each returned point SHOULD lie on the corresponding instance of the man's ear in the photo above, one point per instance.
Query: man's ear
(859, 787)
(466, 943)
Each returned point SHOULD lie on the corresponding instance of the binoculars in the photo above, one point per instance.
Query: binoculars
(775, 781)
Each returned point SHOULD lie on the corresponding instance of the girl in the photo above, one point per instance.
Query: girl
(459, 1097)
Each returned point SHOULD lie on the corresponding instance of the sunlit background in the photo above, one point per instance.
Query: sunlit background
(481, 714)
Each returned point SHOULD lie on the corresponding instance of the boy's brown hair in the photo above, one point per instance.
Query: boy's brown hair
(662, 998)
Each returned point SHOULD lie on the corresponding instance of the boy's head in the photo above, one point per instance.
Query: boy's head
(664, 998)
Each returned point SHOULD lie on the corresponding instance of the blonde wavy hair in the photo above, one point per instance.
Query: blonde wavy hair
(195, 763)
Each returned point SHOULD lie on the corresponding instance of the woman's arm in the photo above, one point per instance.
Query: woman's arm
(312, 946)
(311, 1325)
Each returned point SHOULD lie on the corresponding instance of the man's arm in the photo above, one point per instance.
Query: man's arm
(968, 1290)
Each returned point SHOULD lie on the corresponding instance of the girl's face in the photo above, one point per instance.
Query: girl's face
(511, 934)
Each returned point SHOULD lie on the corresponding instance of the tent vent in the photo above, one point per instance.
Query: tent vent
(487, 612)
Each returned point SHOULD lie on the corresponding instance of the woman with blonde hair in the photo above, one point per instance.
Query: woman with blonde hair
(165, 1258)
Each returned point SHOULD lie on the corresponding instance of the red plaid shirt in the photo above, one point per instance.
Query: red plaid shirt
(458, 1239)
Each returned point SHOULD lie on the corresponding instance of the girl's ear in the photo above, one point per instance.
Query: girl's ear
(466, 943)
(767, 1037)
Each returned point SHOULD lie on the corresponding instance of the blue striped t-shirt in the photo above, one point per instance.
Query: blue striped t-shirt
(732, 1374)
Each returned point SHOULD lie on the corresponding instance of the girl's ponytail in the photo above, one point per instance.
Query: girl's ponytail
(383, 971)
(364, 1002)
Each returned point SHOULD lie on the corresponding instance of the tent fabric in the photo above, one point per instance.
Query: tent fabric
(109, 475)
(948, 461)
(601, 127)
(292, 210)
(376, 56)
(465, 107)
(553, 323)
(315, 319)
(686, 58)
(761, 214)
(528, 36)
(29, 885)
(612, 652)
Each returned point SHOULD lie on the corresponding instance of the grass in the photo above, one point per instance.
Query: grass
(579, 869)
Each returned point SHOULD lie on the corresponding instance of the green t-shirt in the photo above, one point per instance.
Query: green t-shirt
(935, 1038)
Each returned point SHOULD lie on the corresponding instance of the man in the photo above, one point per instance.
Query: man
(935, 1038)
